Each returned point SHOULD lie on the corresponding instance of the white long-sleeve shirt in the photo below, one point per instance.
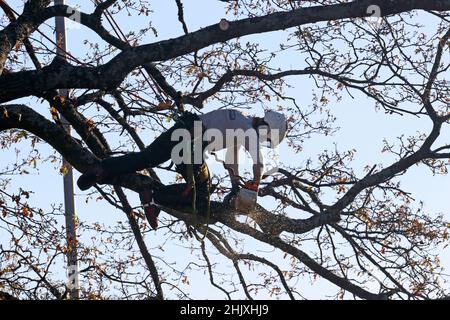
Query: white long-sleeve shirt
(234, 130)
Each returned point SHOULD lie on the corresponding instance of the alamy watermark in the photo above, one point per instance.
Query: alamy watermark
(191, 146)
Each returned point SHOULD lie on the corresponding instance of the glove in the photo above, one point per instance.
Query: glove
(251, 186)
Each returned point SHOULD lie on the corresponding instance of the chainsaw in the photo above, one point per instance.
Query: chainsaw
(245, 199)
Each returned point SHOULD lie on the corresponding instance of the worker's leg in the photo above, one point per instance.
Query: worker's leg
(179, 196)
(158, 152)
(202, 185)
(174, 196)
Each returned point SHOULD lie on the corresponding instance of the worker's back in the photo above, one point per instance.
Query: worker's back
(226, 119)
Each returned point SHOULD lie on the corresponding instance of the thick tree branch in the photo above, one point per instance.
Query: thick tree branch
(113, 72)
(23, 117)
(275, 241)
(389, 172)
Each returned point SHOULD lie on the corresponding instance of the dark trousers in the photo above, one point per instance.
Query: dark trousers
(158, 152)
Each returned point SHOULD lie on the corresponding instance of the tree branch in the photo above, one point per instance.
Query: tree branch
(113, 72)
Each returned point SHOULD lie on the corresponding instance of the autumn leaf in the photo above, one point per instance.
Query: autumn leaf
(26, 211)
(24, 193)
(164, 105)
(169, 117)
(341, 189)
(201, 75)
(59, 99)
(179, 178)
(90, 123)
(64, 170)
(190, 70)
(54, 113)
(261, 68)
(185, 280)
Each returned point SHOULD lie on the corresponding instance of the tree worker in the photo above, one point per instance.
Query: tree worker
(220, 129)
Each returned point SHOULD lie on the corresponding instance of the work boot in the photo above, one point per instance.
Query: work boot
(93, 175)
(150, 209)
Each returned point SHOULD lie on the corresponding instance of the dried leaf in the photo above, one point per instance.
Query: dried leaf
(64, 170)
(164, 105)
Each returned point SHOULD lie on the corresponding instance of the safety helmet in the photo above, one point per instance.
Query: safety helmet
(277, 127)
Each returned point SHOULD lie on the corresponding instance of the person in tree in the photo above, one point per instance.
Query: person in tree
(231, 125)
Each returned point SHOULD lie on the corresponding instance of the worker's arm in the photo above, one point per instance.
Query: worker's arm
(258, 162)
(257, 173)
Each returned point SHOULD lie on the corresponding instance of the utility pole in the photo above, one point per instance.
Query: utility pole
(69, 202)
